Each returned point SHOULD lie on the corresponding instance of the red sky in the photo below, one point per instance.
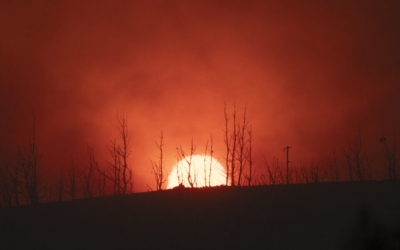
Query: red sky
(311, 73)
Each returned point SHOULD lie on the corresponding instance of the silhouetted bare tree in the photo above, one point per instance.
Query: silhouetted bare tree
(15, 176)
(312, 174)
(211, 160)
(260, 179)
(33, 185)
(354, 158)
(390, 153)
(60, 186)
(101, 182)
(157, 168)
(73, 179)
(315, 173)
(94, 177)
(114, 166)
(205, 165)
(187, 158)
(296, 175)
(119, 172)
(249, 158)
(333, 167)
(242, 142)
(305, 174)
(236, 143)
(179, 172)
(6, 186)
(124, 151)
(275, 173)
(88, 173)
(10, 181)
(227, 145)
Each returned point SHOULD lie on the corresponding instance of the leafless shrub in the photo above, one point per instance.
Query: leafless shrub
(275, 174)
(260, 179)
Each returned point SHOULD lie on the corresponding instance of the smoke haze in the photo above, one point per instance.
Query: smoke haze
(312, 73)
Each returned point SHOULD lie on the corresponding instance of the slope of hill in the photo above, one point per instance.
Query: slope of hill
(308, 216)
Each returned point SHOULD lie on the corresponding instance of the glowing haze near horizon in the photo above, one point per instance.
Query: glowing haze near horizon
(200, 174)
(311, 73)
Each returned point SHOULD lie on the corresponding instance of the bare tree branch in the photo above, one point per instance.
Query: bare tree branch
(158, 167)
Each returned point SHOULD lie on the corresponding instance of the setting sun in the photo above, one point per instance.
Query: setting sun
(200, 174)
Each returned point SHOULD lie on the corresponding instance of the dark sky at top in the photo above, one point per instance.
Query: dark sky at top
(311, 72)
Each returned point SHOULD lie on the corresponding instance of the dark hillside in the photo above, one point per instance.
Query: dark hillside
(312, 216)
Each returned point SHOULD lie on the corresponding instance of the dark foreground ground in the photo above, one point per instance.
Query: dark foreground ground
(312, 216)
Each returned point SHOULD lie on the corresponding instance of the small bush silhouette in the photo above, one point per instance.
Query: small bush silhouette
(179, 187)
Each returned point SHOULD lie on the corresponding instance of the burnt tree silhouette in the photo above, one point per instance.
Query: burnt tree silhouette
(249, 158)
(179, 174)
(88, 173)
(124, 151)
(60, 186)
(10, 181)
(287, 163)
(316, 174)
(6, 190)
(187, 158)
(242, 141)
(233, 151)
(391, 158)
(119, 172)
(32, 183)
(209, 167)
(101, 182)
(157, 168)
(211, 158)
(227, 145)
(333, 167)
(205, 165)
(73, 179)
(355, 159)
(236, 143)
(275, 173)
(94, 177)
(15, 176)
(115, 168)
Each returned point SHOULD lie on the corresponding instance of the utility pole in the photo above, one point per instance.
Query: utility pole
(287, 163)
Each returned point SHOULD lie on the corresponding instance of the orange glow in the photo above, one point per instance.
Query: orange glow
(200, 166)
(308, 79)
